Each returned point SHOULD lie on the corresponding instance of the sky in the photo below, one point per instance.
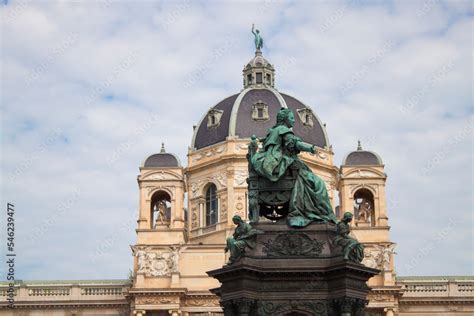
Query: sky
(91, 88)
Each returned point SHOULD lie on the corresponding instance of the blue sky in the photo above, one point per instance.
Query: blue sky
(89, 89)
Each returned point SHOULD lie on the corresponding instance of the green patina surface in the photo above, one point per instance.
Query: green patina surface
(309, 200)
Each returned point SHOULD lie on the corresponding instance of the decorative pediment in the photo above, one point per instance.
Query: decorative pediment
(214, 118)
(306, 116)
(364, 173)
(260, 111)
(160, 176)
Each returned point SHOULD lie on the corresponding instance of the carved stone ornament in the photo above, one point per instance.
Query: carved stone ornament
(240, 147)
(372, 186)
(380, 297)
(293, 244)
(272, 308)
(240, 178)
(194, 218)
(378, 257)
(202, 302)
(156, 264)
(223, 207)
(196, 186)
(209, 153)
(362, 174)
(152, 189)
(161, 175)
(156, 300)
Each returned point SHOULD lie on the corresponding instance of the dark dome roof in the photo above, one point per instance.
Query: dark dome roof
(236, 117)
(161, 160)
(361, 157)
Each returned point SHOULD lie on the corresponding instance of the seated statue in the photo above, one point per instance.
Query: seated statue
(351, 248)
(309, 200)
(243, 237)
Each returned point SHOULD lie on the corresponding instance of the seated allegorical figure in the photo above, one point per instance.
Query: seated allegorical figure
(243, 237)
(309, 200)
(352, 249)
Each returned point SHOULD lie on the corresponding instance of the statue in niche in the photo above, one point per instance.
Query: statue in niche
(161, 210)
(243, 237)
(309, 200)
(364, 210)
(352, 249)
(258, 38)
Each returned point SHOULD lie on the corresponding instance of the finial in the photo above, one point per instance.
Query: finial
(162, 151)
(359, 146)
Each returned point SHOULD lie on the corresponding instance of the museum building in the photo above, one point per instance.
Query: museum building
(185, 216)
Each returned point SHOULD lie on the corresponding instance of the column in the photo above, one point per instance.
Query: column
(139, 313)
(202, 216)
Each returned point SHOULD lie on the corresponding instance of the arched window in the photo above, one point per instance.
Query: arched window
(212, 207)
(364, 207)
(160, 209)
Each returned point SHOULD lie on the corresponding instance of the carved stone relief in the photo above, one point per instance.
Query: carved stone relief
(372, 186)
(297, 244)
(154, 263)
(156, 300)
(197, 185)
(209, 153)
(240, 147)
(202, 302)
(378, 257)
(362, 174)
(239, 206)
(240, 178)
(194, 217)
(152, 189)
(161, 175)
(223, 207)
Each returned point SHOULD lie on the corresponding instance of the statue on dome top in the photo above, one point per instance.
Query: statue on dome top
(258, 38)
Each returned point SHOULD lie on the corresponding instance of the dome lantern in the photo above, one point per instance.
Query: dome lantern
(258, 72)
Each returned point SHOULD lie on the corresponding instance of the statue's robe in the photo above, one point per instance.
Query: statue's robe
(242, 238)
(309, 198)
(351, 248)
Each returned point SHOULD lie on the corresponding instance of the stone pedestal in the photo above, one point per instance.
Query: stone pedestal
(293, 272)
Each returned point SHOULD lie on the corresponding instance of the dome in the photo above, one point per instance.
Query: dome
(253, 112)
(361, 157)
(162, 160)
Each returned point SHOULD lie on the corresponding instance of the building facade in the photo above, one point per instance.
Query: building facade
(185, 217)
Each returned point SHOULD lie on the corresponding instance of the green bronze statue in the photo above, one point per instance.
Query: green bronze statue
(258, 38)
(309, 201)
(243, 237)
(351, 248)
